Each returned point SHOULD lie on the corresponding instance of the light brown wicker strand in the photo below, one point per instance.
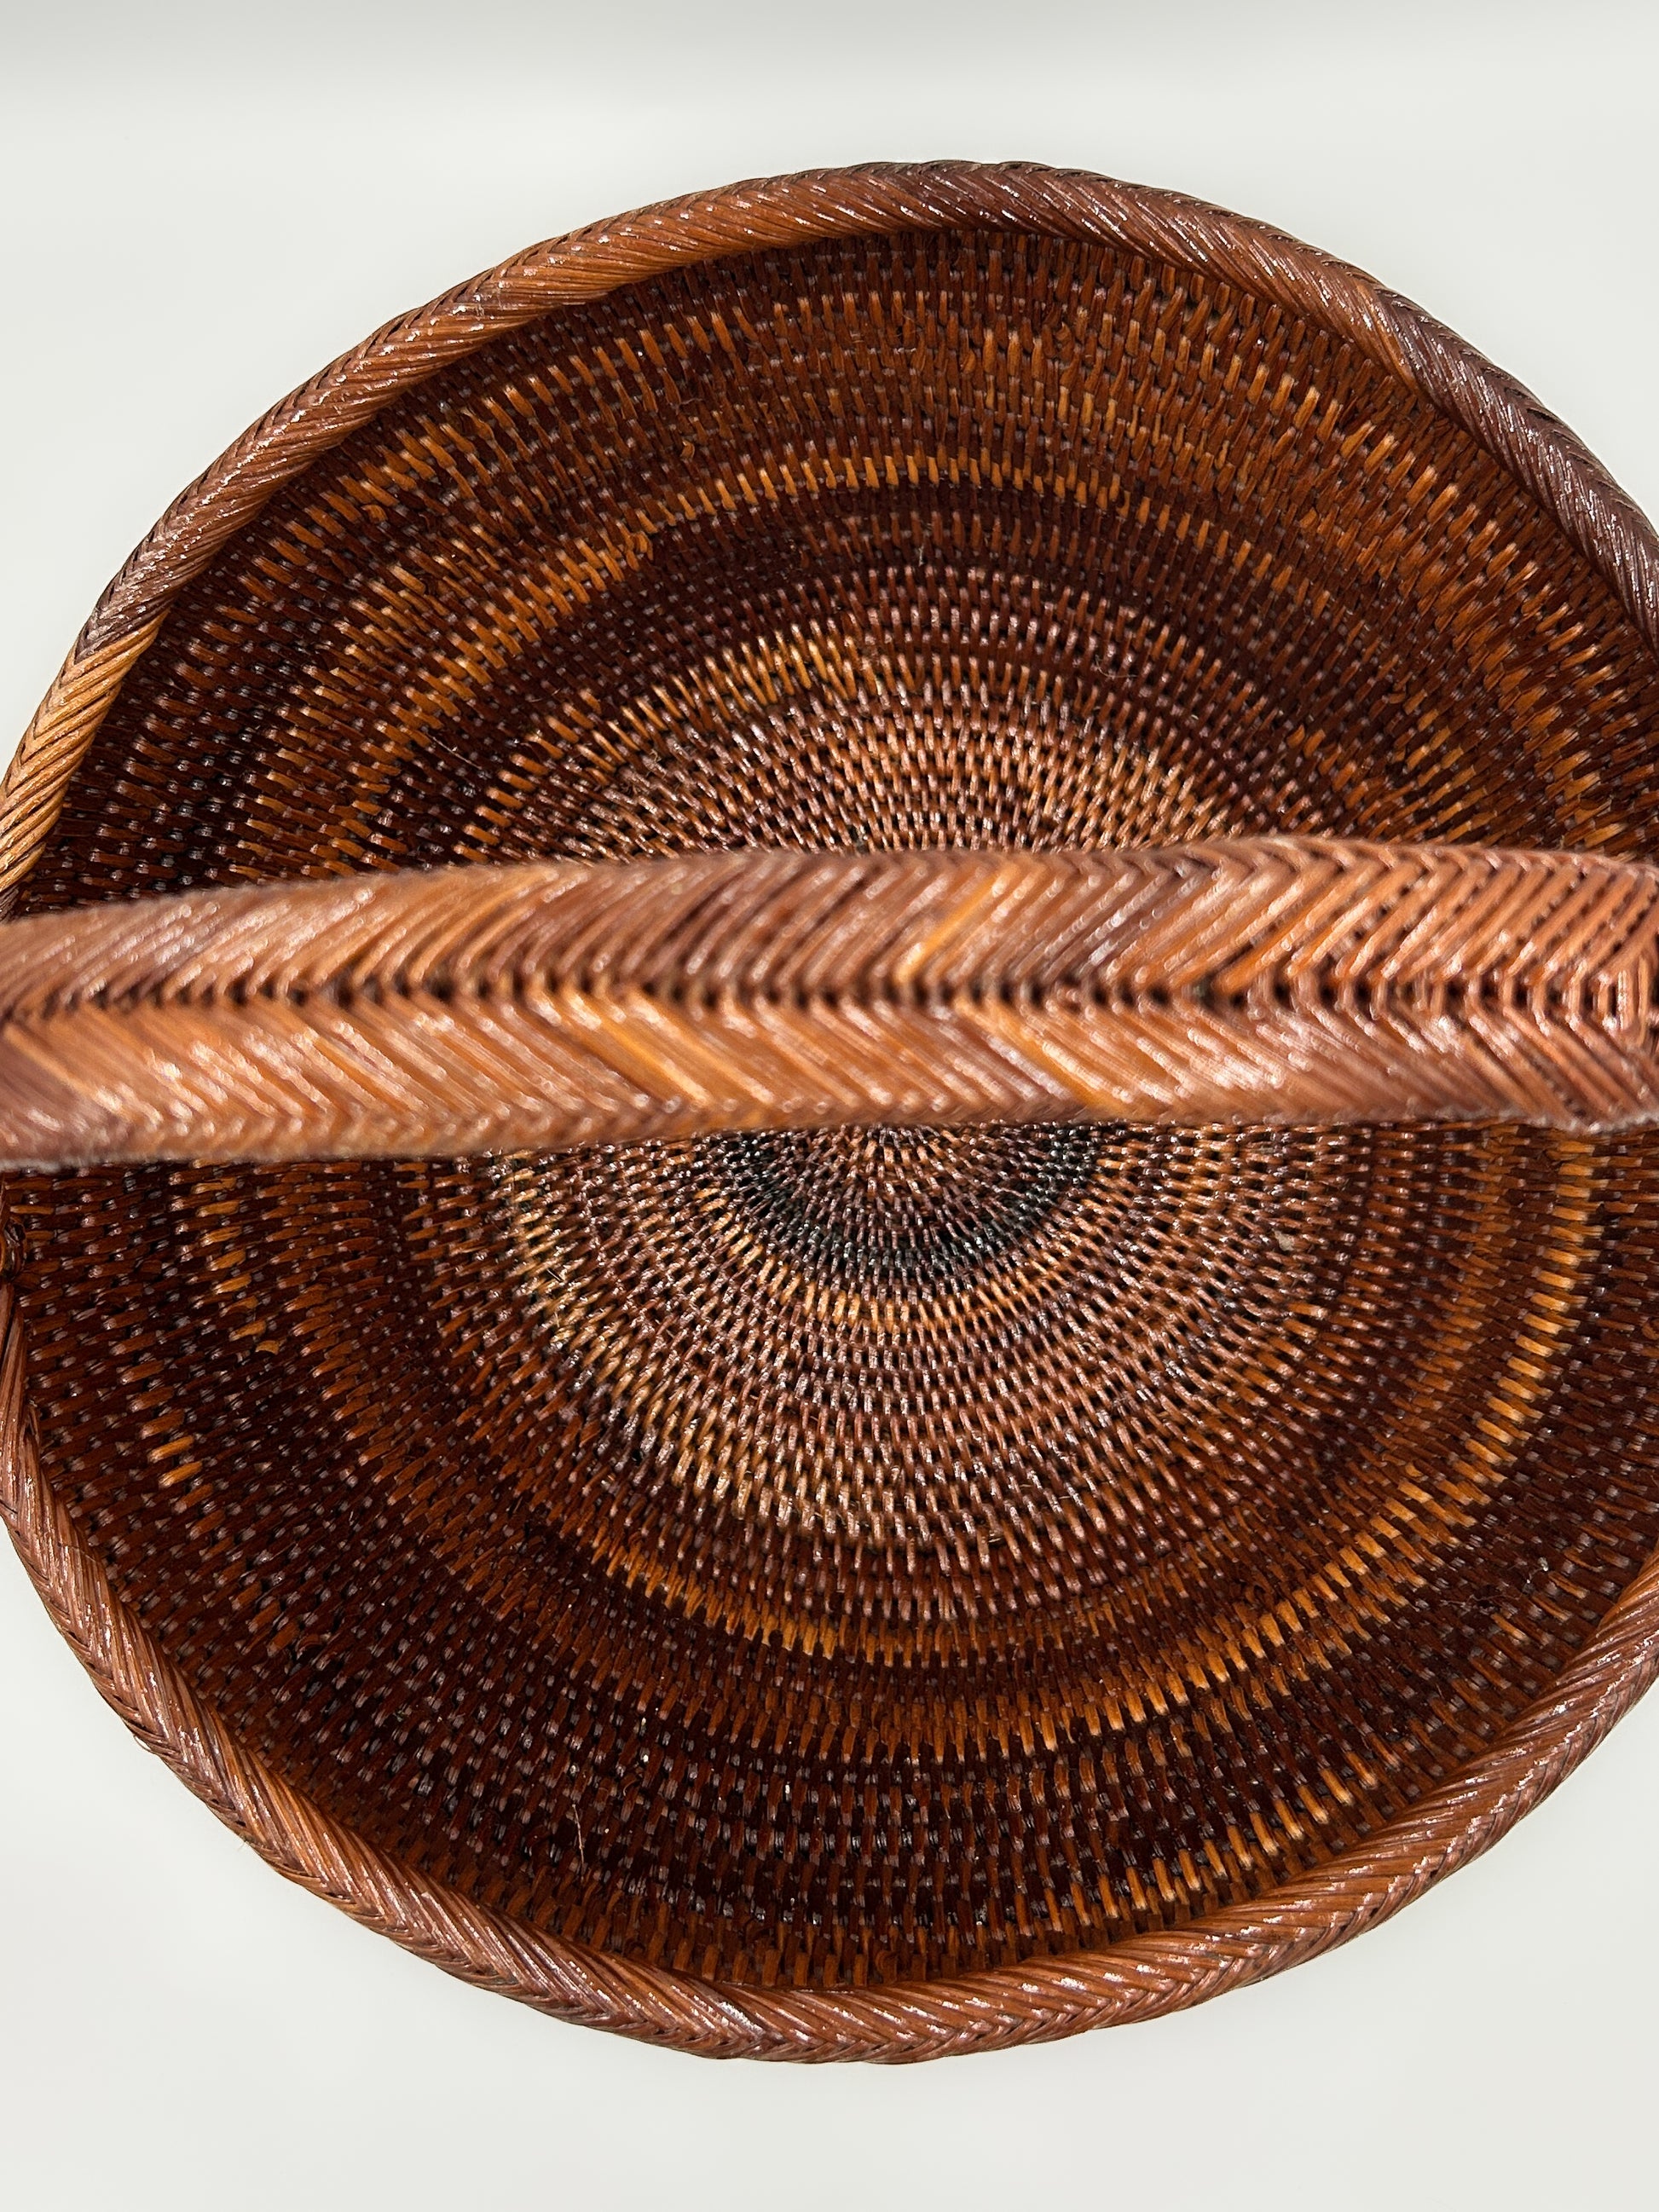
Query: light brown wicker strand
(55, 744)
(1296, 981)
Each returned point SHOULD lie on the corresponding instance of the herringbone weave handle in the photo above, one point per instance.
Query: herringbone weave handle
(466, 1010)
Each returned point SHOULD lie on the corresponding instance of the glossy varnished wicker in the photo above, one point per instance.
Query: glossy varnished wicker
(1052, 797)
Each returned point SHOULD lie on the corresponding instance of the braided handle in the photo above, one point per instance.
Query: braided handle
(1289, 981)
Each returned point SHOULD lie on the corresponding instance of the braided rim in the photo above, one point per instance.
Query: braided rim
(1141, 1977)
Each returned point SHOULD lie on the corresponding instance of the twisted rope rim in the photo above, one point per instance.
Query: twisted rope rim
(1140, 1977)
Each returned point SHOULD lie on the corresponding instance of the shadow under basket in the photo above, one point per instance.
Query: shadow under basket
(961, 1338)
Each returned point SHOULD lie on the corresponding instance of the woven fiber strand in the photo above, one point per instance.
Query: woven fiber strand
(455, 1011)
(883, 1591)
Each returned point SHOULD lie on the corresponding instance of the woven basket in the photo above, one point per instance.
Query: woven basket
(828, 1064)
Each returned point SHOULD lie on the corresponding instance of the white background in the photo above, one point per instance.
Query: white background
(198, 206)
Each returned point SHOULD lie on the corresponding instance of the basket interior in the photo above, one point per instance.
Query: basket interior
(860, 1556)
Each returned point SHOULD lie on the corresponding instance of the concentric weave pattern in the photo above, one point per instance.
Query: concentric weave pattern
(865, 1556)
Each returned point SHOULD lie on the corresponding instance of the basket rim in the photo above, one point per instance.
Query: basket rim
(1139, 1977)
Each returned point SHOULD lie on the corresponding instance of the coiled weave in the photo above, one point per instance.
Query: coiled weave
(781, 1584)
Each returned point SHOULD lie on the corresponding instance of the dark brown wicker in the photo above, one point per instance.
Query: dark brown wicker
(859, 1449)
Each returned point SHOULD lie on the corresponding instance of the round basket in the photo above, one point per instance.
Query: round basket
(827, 1062)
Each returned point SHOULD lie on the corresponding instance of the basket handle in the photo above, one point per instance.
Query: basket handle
(1289, 981)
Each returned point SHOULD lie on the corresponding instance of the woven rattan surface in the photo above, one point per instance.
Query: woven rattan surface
(447, 1012)
(832, 1590)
